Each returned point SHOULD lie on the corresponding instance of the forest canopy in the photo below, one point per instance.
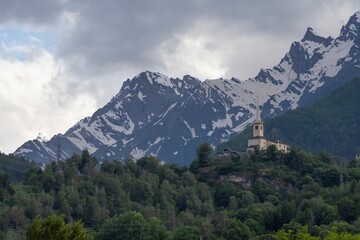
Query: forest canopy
(268, 195)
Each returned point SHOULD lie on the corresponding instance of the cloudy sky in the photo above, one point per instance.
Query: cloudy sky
(62, 59)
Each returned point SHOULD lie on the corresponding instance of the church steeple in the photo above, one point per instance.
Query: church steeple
(258, 126)
(257, 111)
(258, 141)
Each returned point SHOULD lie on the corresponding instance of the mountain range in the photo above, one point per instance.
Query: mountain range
(169, 117)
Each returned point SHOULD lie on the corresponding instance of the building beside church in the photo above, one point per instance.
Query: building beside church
(259, 141)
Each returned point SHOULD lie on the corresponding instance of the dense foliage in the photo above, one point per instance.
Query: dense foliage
(54, 228)
(330, 125)
(269, 195)
(14, 166)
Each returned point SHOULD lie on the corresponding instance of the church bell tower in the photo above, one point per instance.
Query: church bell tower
(258, 126)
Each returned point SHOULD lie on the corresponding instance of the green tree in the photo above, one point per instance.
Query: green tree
(272, 153)
(222, 194)
(5, 188)
(128, 226)
(185, 233)
(87, 164)
(233, 229)
(316, 212)
(203, 153)
(334, 235)
(54, 228)
(347, 209)
(156, 230)
(300, 234)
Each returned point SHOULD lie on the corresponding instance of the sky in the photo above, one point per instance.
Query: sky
(60, 60)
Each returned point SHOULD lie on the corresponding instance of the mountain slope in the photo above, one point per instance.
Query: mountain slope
(168, 117)
(330, 125)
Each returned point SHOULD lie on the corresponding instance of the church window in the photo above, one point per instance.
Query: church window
(256, 127)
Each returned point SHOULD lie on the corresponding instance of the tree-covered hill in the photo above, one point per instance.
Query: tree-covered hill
(270, 195)
(332, 125)
(14, 166)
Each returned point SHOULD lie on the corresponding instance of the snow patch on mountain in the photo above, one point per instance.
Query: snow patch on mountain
(78, 140)
(222, 123)
(165, 113)
(24, 151)
(192, 130)
(137, 153)
(159, 78)
(127, 128)
(95, 129)
(141, 96)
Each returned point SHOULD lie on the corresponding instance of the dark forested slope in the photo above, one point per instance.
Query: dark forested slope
(14, 166)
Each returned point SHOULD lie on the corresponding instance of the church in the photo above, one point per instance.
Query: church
(259, 141)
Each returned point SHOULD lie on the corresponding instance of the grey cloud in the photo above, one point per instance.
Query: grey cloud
(124, 31)
(275, 17)
(35, 12)
(128, 33)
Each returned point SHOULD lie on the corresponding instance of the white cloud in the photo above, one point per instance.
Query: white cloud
(333, 16)
(192, 57)
(32, 99)
(250, 53)
(209, 51)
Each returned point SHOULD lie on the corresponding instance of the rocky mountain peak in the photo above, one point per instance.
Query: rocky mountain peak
(156, 78)
(351, 29)
(313, 36)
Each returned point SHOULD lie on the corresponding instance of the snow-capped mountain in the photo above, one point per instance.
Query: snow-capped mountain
(169, 117)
